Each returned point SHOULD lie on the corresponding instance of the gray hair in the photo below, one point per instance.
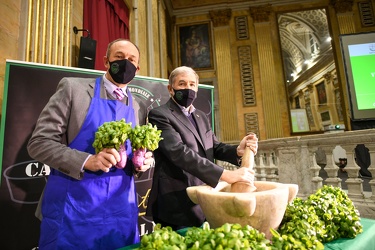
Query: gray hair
(180, 70)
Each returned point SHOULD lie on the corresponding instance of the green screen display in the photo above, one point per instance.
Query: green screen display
(362, 60)
(358, 51)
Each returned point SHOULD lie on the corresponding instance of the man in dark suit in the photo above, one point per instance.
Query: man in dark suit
(185, 157)
(88, 203)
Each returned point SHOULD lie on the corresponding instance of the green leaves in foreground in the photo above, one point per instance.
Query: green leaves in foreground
(228, 236)
(324, 216)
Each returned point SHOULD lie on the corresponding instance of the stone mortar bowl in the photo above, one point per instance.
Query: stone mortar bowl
(262, 209)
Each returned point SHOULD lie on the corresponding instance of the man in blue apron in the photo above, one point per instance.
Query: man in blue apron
(88, 202)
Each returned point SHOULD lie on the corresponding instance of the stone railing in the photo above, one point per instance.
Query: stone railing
(294, 160)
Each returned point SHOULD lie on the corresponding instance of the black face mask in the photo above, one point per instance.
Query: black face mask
(122, 71)
(184, 97)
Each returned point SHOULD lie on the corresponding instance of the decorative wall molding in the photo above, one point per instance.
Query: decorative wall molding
(220, 17)
(247, 79)
(242, 29)
(252, 123)
(342, 6)
(261, 13)
(366, 14)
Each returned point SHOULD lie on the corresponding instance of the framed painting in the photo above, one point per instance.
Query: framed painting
(195, 47)
(326, 118)
(321, 92)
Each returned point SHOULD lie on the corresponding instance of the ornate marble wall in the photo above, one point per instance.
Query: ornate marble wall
(246, 65)
(270, 113)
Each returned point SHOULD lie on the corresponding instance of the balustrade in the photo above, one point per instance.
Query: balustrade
(294, 160)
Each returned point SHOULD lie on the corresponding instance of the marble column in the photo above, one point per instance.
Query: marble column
(345, 20)
(227, 102)
(269, 89)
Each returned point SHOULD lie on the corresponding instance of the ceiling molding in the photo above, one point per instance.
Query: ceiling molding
(197, 8)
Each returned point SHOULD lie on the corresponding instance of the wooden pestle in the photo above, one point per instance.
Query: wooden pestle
(247, 162)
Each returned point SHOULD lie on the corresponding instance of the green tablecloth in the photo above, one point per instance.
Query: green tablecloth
(363, 241)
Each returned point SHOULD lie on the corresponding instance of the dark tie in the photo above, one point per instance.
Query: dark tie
(119, 94)
(191, 118)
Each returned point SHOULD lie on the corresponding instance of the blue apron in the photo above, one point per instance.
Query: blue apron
(101, 210)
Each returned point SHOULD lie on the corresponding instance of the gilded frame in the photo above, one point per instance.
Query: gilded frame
(195, 46)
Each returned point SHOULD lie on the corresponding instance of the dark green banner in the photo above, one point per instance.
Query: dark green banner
(27, 89)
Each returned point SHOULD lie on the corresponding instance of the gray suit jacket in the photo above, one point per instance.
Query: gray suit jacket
(185, 157)
(59, 123)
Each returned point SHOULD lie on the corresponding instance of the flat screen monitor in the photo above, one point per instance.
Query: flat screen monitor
(358, 52)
